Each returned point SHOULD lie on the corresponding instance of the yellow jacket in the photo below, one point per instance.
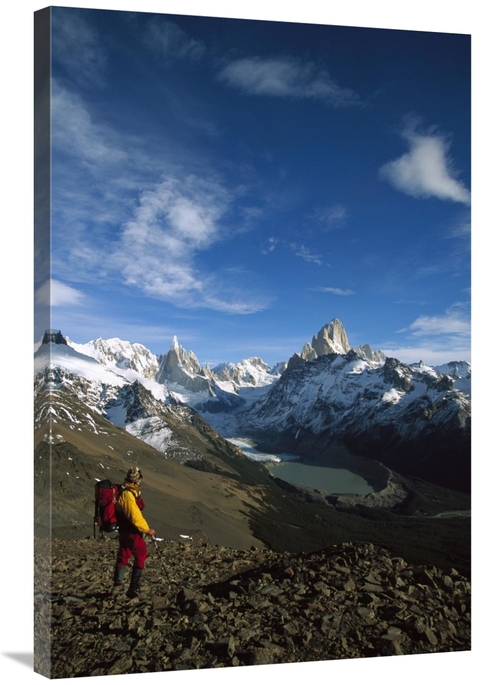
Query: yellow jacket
(127, 506)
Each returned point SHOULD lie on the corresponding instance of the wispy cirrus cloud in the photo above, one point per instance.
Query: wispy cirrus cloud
(299, 250)
(305, 253)
(335, 291)
(75, 133)
(157, 250)
(171, 43)
(270, 245)
(436, 339)
(137, 223)
(331, 217)
(462, 227)
(426, 170)
(454, 322)
(433, 354)
(77, 49)
(286, 77)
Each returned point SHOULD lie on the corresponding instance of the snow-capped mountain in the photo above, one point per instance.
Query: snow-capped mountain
(193, 385)
(332, 339)
(105, 376)
(122, 354)
(95, 382)
(76, 394)
(460, 373)
(414, 417)
(347, 392)
(252, 372)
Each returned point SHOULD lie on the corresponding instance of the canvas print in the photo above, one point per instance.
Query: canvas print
(252, 416)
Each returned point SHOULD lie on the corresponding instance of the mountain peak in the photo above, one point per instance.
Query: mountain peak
(53, 335)
(330, 339)
(179, 366)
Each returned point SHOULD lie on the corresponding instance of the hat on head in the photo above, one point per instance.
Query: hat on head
(134, 475)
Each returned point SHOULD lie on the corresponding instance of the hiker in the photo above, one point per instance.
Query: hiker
(132, 526)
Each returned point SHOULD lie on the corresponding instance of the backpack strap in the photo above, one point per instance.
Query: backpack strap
(138, 499)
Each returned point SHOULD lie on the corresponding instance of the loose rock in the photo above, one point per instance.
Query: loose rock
(225, 607)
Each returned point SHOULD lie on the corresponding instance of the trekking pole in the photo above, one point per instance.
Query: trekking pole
(155, 542)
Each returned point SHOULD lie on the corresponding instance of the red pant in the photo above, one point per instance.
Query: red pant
(132, 544)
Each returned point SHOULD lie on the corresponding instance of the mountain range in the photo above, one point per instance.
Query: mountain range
(106, 404)
(329, 397)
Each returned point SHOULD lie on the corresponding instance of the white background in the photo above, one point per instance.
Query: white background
(16, 590)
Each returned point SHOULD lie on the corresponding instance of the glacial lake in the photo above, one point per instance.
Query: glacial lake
(339, 481)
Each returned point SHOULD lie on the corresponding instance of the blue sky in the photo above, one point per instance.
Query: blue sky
(17, 274)
(241, 183)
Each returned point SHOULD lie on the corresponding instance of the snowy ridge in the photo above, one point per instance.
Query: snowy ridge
(253, 372)
(63, 364)
(460, 373)
(120, 354)
(411, 418)
(360, 397)
(107, 365)
(154, 432)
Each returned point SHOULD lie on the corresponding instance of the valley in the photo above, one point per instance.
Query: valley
(262, 566)
(252, 381)
(106, 404)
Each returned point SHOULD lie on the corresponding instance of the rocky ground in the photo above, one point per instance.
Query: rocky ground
(205, 606)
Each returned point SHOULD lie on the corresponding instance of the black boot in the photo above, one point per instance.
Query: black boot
(118, 579)
(134, 588)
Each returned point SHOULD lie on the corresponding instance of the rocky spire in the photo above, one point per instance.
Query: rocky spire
(179, 366)
(331, 339)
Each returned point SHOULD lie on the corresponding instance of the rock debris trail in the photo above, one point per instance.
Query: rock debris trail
(223, 607)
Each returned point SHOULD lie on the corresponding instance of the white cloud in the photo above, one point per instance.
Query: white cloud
(76, 48)
(462, 227)
(270, 245)
(53, 293)
(171, 43)
(441, 338)
(156, 253)
(126, 224)
(158, 245)
(286, 78)
(335, 291)
(74, 132)
(426, 170)
(298, 250)
(331, 217)
(432, 355)
(306, 254)
(451, 323)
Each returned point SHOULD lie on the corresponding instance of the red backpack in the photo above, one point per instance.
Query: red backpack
(106, 496)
